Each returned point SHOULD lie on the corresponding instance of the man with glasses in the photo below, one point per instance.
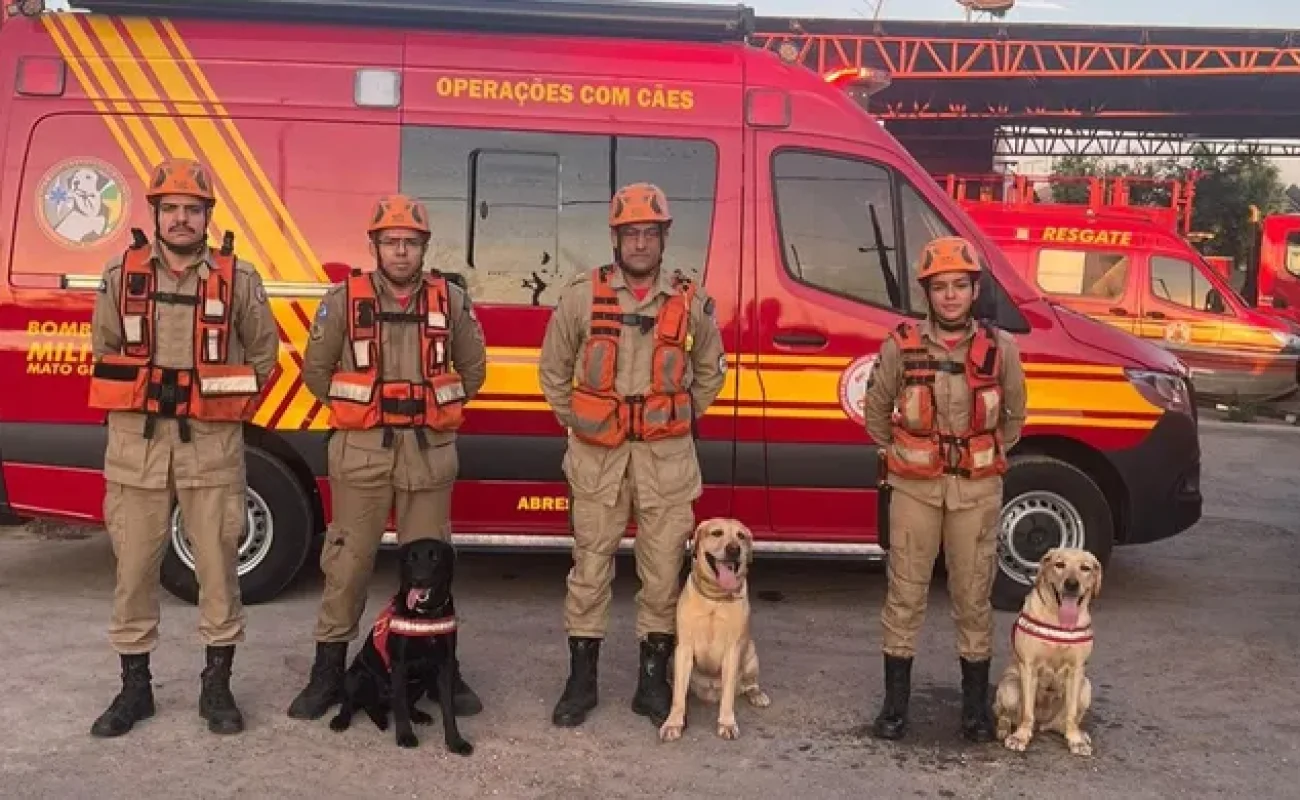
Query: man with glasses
(395, 354)
(631, 358)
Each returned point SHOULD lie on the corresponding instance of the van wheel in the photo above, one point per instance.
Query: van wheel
(277, 535)
(1047, 503)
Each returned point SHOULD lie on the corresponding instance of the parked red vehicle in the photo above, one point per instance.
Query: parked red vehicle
(1133, 267)
(1273, 268)
(793, 206)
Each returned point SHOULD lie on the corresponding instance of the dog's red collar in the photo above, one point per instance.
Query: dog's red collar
(1054, 634)
(387, 623)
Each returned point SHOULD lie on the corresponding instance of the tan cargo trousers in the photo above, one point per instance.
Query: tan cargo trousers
(969, 540)
(366, 482)
(660, 543)
(206, 476)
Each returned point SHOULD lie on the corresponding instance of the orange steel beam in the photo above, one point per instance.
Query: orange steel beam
(907, 57)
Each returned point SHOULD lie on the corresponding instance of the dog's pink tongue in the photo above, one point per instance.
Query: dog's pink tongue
(727, 578)
(1069, 612)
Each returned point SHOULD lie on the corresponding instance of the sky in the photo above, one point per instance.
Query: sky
(1210, 13)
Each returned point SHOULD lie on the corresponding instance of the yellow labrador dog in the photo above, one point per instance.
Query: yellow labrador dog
(715, 656)
(1051, 643)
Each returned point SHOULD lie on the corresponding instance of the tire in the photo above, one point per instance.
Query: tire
(1047, 503)
(280, 518)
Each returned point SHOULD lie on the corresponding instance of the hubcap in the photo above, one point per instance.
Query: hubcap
(254, 542)
(1032, 524)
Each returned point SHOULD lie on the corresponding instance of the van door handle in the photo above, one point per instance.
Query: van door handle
(1156, 314)
(808, 339)
(1119, 312)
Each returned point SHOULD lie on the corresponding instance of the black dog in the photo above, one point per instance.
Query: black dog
(410, 652)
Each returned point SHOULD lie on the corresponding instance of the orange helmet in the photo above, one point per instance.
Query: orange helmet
(181, 176)
(949, 254)
(639, 202)
(398, 211)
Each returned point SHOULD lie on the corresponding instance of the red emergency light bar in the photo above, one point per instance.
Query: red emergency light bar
(674, 21)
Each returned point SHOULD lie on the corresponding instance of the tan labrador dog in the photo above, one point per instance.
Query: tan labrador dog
(715, 656)
(1051, 644)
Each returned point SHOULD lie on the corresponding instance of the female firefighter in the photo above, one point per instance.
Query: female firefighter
(946, 401)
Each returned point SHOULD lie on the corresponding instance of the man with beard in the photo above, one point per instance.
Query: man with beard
(648, 360)
(395, 354)
(947, 401)
(184, 340)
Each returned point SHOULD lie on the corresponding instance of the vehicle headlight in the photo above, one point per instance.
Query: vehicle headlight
(1289, 341)
(1162, 389)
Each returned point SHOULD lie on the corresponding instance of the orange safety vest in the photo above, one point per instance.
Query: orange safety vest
(919, 450)
(213, 390)
(603, 417)
(361, 400)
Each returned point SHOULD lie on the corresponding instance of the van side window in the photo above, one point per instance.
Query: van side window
(1181, 283)
(1082, 273)
(1292, 259)
(836, 220)
(921, 225)
(516, 213)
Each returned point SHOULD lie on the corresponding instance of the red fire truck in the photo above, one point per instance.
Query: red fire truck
(1132, 266)
(1273, 267)
(514, 123)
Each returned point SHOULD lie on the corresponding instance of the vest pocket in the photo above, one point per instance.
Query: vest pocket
(914, 456)
(352, 403)
(118, 383)
(445, 402)
(916, 407)
(597, 419)
(599, 363)
(664, 416)
(225, 392)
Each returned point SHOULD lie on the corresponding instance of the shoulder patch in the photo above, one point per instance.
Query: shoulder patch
(259, 293)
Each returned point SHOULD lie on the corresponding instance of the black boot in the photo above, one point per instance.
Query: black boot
(325, 687)
(132, 704)
(216, 703)
(891, 722)
(465, 703)
(976, 720)
(580, 694)
(653, 698)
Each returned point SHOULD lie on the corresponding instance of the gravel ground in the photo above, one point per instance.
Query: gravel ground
(1195, 671)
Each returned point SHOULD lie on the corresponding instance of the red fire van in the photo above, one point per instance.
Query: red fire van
(797, 211)
(1132, 267)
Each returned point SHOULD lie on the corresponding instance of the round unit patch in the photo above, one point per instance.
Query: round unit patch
(82, 202)
(853, 388)
(1178, 332)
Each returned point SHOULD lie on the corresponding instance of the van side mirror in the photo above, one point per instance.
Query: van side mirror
(1214, 302)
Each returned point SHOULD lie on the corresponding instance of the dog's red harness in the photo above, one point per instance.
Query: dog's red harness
(1053, 634)
(403, 626)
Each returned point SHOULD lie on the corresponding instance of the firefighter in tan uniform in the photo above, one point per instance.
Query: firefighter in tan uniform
(947, 401)
(184, 341)
(395, 354)
(631, 357)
